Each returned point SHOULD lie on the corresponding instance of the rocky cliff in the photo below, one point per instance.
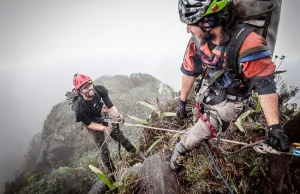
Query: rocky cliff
(58, 158)
(65, 143)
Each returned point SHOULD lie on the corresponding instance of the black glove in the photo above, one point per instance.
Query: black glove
(278, 139)
(181, 113)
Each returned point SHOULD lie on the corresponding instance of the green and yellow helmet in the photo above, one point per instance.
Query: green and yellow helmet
(191, 11)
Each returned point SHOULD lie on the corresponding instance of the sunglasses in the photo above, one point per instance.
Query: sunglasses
(208, 20)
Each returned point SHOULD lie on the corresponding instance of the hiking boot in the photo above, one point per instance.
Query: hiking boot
(176, 162)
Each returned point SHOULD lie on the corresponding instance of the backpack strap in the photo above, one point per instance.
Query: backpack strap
(253, 50)
(255, 56)
(97, 94)
(197, 43)
(237, 37)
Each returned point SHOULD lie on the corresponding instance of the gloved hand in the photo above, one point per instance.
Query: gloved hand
(181, 113)
(278, 139)
(108, 130)
(119, 118)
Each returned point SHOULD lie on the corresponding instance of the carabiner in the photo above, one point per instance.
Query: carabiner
(296, 151)
(296, 144)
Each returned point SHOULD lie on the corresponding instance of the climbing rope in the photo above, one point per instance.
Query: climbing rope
(156, 128)
(264, 148)
(217, 168)
(103, 143)
(259, 146)
(244, 147)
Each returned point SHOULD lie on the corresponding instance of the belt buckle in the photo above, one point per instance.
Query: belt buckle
(231, 97)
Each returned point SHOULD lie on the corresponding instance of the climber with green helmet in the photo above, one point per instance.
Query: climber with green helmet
(229, 60)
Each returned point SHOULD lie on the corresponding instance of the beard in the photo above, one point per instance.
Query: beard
(207, 37)
(90, 93)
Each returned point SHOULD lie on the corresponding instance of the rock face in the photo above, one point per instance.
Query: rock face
(61, 181)
(155, 174)
(159, 178)
(63, 139)
(63, 142)
(283, 172)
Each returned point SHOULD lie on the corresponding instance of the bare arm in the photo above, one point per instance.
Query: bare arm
(269, 104)
(96, 126)
(113, 111)
(276, 136)
(187, 84)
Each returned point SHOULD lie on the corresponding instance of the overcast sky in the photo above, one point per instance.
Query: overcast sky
(44, 43)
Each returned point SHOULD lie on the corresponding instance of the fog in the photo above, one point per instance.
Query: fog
(44, 43)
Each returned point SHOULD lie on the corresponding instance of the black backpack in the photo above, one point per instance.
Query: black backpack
(237, 37)
(74, 99)
(241, 31)
(255, 10)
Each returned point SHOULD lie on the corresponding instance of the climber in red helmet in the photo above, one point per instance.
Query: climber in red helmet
(89, 109)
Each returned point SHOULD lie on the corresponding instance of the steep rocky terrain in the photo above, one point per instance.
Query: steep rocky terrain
(64, 143)
(58, 158)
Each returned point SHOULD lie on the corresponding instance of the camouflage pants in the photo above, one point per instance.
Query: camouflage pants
(225, 111)
(117, 135)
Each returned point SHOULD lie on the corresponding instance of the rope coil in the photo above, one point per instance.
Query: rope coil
(264, 149)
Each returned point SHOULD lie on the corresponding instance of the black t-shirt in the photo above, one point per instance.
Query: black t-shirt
(88, 111)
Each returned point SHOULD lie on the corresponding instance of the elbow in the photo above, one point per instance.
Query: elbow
(264, 84)
(91, 126)
(95, 127)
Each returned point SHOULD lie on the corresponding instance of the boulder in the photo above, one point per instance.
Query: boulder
(155, 175)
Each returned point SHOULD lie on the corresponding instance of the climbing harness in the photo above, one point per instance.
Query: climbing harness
(210, 126)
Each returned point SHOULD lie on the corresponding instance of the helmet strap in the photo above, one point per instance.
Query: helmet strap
(207, 35)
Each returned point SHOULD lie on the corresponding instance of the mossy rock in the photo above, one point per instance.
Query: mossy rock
(62, 180)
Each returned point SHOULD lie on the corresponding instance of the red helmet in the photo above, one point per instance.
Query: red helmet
(79, 80)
